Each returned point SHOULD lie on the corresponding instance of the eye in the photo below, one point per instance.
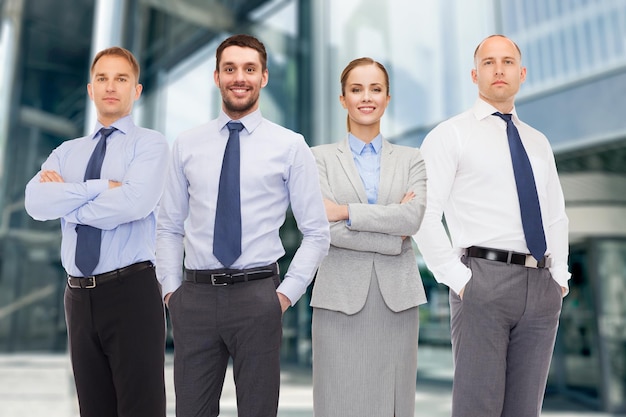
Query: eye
(355, 90)
(250, 69)
(122, 79)
(100, 79)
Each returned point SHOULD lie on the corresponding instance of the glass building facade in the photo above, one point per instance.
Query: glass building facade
(575, 52)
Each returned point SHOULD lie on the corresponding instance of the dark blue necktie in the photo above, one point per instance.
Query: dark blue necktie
(227, 231)
(526, 191)
(88, 238)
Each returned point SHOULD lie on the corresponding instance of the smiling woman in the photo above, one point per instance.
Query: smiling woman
(367, 291)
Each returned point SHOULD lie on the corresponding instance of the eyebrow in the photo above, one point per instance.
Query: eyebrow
(361, 85)
(122, 74)
(504, 57)
(245, 64)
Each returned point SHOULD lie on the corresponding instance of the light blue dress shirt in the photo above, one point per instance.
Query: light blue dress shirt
(367, 160)
(136, 157)
(277, 170)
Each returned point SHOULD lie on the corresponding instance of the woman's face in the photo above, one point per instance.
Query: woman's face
(365, 96)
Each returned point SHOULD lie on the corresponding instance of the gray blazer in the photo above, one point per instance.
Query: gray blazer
(373, 241)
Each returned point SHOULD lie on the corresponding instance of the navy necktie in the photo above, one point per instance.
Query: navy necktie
(526, 191)
(227, 231)
(88, 238)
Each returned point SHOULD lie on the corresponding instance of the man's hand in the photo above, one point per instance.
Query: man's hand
(336, 212)
(50, 176)
(284, 301)
(461, 293)
(167, 299)
(114, 184)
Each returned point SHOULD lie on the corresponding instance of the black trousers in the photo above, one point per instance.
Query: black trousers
(117, 346)
(212, 324)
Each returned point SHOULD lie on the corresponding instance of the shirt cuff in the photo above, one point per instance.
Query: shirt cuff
(457, 276)
(170, 284)
(291, 289)
(96, 187)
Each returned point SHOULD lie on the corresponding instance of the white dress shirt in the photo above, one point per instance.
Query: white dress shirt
(470, 179)
(277, 170)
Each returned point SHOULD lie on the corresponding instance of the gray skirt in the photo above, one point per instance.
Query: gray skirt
(365, 364)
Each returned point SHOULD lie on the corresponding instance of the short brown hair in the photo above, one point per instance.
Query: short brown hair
(121, 52)
(245, 41)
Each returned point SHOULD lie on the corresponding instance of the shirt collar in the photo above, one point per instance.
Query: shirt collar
(482, 110)
(123, 125)
(250, 121)
(357, 145)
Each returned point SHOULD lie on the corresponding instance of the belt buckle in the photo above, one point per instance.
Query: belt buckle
(216, 284)
(531, 262)
(92, 279)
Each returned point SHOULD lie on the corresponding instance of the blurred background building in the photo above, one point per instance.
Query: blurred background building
(575, 52)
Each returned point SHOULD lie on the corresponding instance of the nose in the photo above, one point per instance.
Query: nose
(240, 75)
(110, 85)
(366, 96)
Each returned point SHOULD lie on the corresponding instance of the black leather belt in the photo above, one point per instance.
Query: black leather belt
(92, 281)
(222, 277)
(508, 257)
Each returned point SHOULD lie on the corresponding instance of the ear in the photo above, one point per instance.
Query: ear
(90, 91)
(474, 76)
(266, 78)
(523, 75)
(138, 90)
(216, 78)
(342, 100)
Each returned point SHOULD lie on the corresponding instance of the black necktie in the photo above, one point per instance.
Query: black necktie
(526, 191)
(88, 238)
(227, 231)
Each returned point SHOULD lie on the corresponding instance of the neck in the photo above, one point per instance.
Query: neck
(365, 133)
(504, 107)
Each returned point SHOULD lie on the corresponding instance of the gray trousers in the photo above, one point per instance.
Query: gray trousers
(212, 324)
(503, 334)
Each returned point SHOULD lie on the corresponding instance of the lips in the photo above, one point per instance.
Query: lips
(239, 90)
(368, 109)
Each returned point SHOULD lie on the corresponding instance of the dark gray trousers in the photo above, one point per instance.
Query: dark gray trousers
(503, 334)
(212, 324)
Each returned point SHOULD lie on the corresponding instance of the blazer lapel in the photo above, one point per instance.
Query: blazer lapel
(387, 172)
(344, 154)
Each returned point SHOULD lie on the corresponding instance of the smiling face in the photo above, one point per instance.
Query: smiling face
(365, 96)
(113, 88)
(499, 72)
(240, 78)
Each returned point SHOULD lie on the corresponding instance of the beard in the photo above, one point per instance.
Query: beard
(237, 105)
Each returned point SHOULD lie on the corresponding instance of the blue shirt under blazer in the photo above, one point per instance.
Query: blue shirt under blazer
(373, 239)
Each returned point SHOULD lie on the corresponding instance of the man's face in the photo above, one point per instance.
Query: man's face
(498, 72)
(113, 88)
(240, 78)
